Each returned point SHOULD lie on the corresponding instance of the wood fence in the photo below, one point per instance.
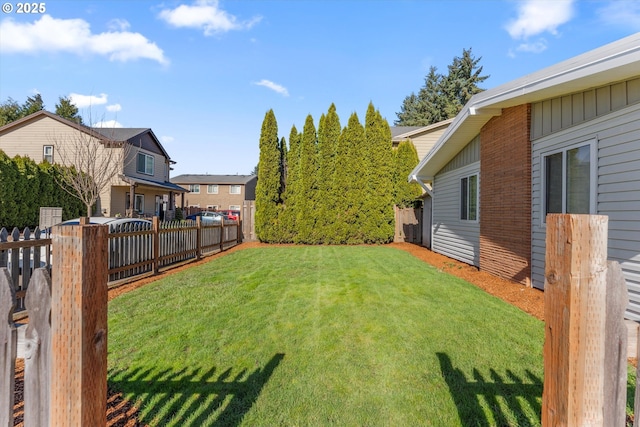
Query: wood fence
(134, 249)
(408, 225)
(65, 361)
(585, 349)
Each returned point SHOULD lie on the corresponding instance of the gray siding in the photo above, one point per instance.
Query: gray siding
(618, 191)
(452, 236)
(553, 115)
(469, 154)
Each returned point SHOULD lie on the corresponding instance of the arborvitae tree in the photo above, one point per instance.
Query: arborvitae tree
(306, 209)
(442, 97)
(405, 194)
(328, 135)
(350, 178)
(268, 186)
(288, 214)
(378, 216)
(65, 108)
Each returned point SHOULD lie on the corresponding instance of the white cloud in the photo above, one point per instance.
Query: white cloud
(534, 47)
(621, 13)
(167, 139)
(83, 101)
(118, 25)
(540, 16)
(114, 108)
(205, 15)
(273, 86)
(107, 124)
(74, 35)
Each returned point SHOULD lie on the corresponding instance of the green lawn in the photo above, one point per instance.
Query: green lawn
(327, 335)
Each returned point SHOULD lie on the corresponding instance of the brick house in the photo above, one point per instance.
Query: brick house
(565, 139)
(216, 192)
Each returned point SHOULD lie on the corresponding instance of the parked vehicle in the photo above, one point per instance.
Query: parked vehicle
(231, 214)
(207, 216)
(112, 222)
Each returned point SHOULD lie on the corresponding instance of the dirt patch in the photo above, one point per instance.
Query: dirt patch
(121, 413)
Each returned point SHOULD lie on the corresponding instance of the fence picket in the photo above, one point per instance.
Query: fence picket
(37, 350)
(8, 343)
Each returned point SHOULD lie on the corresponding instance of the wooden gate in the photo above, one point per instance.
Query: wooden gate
(408, 225)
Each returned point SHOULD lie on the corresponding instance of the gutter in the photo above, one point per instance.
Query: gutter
(414, 178)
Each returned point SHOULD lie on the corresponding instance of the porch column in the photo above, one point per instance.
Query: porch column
(132, 199)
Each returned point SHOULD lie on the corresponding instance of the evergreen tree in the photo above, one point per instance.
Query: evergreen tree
(405, 159)
(33, 104)
(268, 186)
(328, 135)
(306, 209)
(10, 111)
(442, 97)
(288, 214)
(377, 211)
(65, 108)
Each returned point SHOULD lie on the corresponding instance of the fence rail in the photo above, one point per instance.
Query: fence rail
(134, 249)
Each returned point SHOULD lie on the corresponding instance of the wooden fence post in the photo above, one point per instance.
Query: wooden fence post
(156, 245)
(79, 326)
(579, 381)
(8, 348)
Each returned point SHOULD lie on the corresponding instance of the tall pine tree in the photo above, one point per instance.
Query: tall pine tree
(328, 135)
(288, 214)
(268, 188)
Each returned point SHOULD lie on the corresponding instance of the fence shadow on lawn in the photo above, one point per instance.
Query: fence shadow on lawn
(500, 395)
(179, 388)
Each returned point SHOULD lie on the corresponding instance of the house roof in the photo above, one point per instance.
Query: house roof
(616, 61)
(212, 179)
(413, 131)
(399, 130)
(162, 184)
(130, 134)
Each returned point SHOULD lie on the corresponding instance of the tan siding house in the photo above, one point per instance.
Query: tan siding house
(423, 137)
(144, 178)
(216, 192)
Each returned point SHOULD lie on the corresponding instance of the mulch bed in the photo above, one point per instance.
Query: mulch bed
(121, 413)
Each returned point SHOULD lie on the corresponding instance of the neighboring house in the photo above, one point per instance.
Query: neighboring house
(143, 182)
(565, 139)
(423, 137)
(216, 192)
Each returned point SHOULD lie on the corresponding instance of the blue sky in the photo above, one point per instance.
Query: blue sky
(203, 73)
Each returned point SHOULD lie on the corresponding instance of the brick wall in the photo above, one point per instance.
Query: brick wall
(505, 195)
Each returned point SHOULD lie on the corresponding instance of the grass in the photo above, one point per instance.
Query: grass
(308, 336)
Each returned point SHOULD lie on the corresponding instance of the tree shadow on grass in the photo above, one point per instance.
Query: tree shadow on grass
(193, 396)
(511, 401)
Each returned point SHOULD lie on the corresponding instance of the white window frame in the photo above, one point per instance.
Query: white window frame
(149, 163)
(593, 176)
(47, 156)
(212, 188)
(138, 203)
(234, 207)
(477, 195)
(212, 207)
(194, 188)
(231, 187)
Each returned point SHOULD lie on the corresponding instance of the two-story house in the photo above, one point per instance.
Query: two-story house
(216, 192)
(142, 186)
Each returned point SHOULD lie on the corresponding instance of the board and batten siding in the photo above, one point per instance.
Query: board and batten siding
(617, 137)
(451, 236)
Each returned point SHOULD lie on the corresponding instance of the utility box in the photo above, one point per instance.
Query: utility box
(49, 217)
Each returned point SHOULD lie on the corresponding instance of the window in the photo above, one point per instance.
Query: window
(469, 198)
(194, 188)
(234, 207)
(568, 181)
(234, 189)
(212, 207)
(212, 189)
(145, 164)
(47, 153)
(138, 203)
